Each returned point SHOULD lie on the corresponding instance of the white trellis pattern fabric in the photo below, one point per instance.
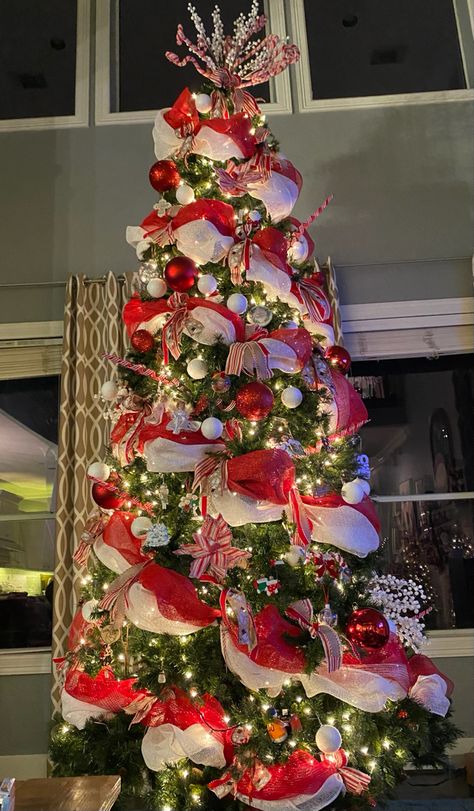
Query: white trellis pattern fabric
(92, 326)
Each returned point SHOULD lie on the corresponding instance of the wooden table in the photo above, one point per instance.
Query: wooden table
(67, 793)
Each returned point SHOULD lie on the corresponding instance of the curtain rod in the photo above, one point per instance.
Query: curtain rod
(16, 285)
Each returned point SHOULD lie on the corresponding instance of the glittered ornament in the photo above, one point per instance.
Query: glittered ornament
(260, 315)
(148, 270)
(207, 284)
(254, 401)
(291, 397)
(368, 628)
(157, 536)
(203, 103)
(197, 369)
(402, 714)
(109, 390)
(328, 739)
(164, 176)
(142, 340)
(106, 498)
(99, 470)
(339, 358)
(237, 303)
(180, 273)
(156, 288)
(220, 382)
(184, 194)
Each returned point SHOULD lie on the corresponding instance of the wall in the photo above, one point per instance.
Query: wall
(402, 178)
(25, 718)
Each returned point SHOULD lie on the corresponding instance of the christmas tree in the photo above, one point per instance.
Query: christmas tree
(234, 646)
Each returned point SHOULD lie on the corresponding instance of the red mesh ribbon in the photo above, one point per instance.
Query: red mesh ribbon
(302, 612)
(212, 550)
(250, 356)
(103, 690)
(258, 776)
(355, 781)
(128, 426)
(174, 326)
(93, 528)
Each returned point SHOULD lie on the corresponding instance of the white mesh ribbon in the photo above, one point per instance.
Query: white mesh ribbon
(430, 692)
(167, 456)
(278, 194)
(202, 241)
(77, 712)
(167, 744)
(302, 802)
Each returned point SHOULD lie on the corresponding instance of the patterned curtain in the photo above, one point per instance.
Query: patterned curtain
(92, 325)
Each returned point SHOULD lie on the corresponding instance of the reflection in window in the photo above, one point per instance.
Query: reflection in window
(37, 58)
(28, 439)
(420, 439)
(374, 48)
(141, 76)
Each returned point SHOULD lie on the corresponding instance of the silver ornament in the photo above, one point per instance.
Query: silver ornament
(259, 315)
(157, 536)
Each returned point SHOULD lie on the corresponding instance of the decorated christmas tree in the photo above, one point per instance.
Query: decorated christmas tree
(234, 646)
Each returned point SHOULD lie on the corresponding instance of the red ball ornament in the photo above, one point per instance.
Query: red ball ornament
(180, 273)
(106, 498)
(338, 357)
(254, 401)
(368, 628)
(142, 340)
(402, 714)
(164, 176)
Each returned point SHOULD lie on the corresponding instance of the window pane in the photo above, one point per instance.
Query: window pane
(28, 439)
(431, 541)
(371, 48)
(141, 76)
(37, 58)
(420, 437)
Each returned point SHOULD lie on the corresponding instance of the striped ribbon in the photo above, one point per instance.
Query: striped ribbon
(115, 599)
(249, 356)
(93, 528)
(303, 524)
(212, 550)
(355, 781)
(205, 468)
(315, 300)
(126, 432)
(173, 328)
(302, 612)
(140, 369)
(233, 429)
(237, 602)
(140, 707)
(239, 260)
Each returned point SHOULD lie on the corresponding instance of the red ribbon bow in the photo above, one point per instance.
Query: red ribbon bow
(174, 326)
(212, 550)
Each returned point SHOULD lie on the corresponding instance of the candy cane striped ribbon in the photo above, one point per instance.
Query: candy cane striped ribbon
(173, 328)
(93, 528)
(249, 356)
(239, 260)
(315, 300)
(302, 612)
(355, 781)
(140, 369)
(115, 600)
(303, 524)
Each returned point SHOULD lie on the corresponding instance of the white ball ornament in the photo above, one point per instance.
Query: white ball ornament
(156, 288)
(291, 397)
(364, 484)
(290, 325)
(88, 609)
(185, 194)
(255, 216)
(237, 303)
(328, 739)
(141, 526)
(207, 284)
(295, 555)
(99, 470)
(203, 103)
(109, 390)
(212, 428)
(197, 369)
(352, 492)
(298, 251)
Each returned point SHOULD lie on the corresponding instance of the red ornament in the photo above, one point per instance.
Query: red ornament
(368, 628)
(142, 340)
(254, 401)
(106, 498)
(338, 357)
(402, 714)
(164, 176)
(180, 273)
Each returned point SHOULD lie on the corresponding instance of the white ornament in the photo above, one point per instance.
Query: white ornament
(203, 103)
(237, 303)
(290, 325)
(212, 428)
(328, 739)
(156, 287)
(207, 284)
(141, 526)
(352, 492)
(295, 555)
(197, 369)
(99, 470)
(185, 194)
(255, 216)
(157, 536)
(109, 390)
(404, 604)
(364, 484)
(88, 609)
(291, 397)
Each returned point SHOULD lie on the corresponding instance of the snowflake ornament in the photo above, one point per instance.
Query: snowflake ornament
(157, 536)
(404, 603)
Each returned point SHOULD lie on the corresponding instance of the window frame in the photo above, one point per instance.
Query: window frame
(80, 118)
(104, 116)
(464, 13)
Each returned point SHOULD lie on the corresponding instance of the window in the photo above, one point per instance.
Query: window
(134, 78)
(28, 438)
(367, 52)
(420, 439)
(44, 50)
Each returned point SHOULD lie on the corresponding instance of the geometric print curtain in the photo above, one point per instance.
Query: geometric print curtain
(92, 325)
